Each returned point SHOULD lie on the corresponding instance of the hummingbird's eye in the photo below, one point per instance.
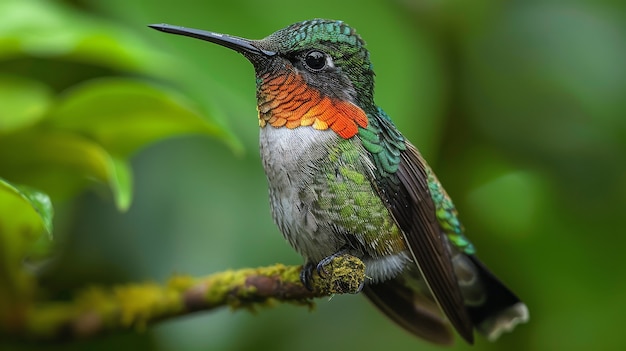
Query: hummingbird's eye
(315, 60)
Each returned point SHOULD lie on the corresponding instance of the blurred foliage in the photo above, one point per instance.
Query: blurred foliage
(518, 105)
(70, 127)
(26, 215)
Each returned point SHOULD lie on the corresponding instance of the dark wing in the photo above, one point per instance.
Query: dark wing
(425, 239)
(411, 309)
(401, 180)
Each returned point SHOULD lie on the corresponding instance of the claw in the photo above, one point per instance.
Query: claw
(321, 266)
(306, 275)
(360, 288)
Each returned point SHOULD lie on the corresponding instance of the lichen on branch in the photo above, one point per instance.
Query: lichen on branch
(99, 310)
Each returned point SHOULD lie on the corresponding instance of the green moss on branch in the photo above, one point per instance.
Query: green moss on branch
(99, 310)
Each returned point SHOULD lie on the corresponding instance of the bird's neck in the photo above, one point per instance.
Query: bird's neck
(285, 100)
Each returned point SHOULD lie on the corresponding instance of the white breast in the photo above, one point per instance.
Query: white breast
(291, 158)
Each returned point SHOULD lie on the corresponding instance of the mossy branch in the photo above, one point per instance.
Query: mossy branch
(99, 310)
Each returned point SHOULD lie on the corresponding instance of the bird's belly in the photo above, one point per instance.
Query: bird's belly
(291, 158)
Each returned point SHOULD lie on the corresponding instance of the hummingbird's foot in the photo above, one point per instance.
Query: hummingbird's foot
(306, 275)
(321, 265)
(345, 275)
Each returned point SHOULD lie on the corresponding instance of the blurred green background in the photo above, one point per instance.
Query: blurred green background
(517, 105)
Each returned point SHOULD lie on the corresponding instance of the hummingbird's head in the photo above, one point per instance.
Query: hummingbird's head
(322, 62)
(329, 56)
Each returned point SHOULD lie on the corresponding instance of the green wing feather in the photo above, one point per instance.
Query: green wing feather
(447, 214)
(403, 182)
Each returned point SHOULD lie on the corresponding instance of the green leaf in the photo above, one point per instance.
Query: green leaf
(22, 102)
(124, 115)
(62, 164)
(47, 29)
(41, 203)
(24, 209)
(25, 214)
(121, 183)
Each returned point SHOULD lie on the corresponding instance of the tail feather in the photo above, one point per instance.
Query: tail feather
(415, 312)
(501, 311)
(492, 307)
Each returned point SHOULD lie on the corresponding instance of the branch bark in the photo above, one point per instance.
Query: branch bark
(99, 310)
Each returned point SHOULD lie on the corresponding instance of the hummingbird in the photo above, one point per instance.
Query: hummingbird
(344, 180)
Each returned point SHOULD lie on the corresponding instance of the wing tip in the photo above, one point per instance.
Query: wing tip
(467, 335)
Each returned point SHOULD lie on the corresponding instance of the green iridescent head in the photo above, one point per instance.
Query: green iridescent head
(328, 54)
(333, 37)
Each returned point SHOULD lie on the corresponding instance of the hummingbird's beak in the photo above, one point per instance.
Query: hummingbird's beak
(243, 46)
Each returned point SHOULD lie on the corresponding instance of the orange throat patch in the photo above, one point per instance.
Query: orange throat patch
(287, 101)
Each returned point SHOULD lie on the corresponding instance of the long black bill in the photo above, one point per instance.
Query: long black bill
(241, 45)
